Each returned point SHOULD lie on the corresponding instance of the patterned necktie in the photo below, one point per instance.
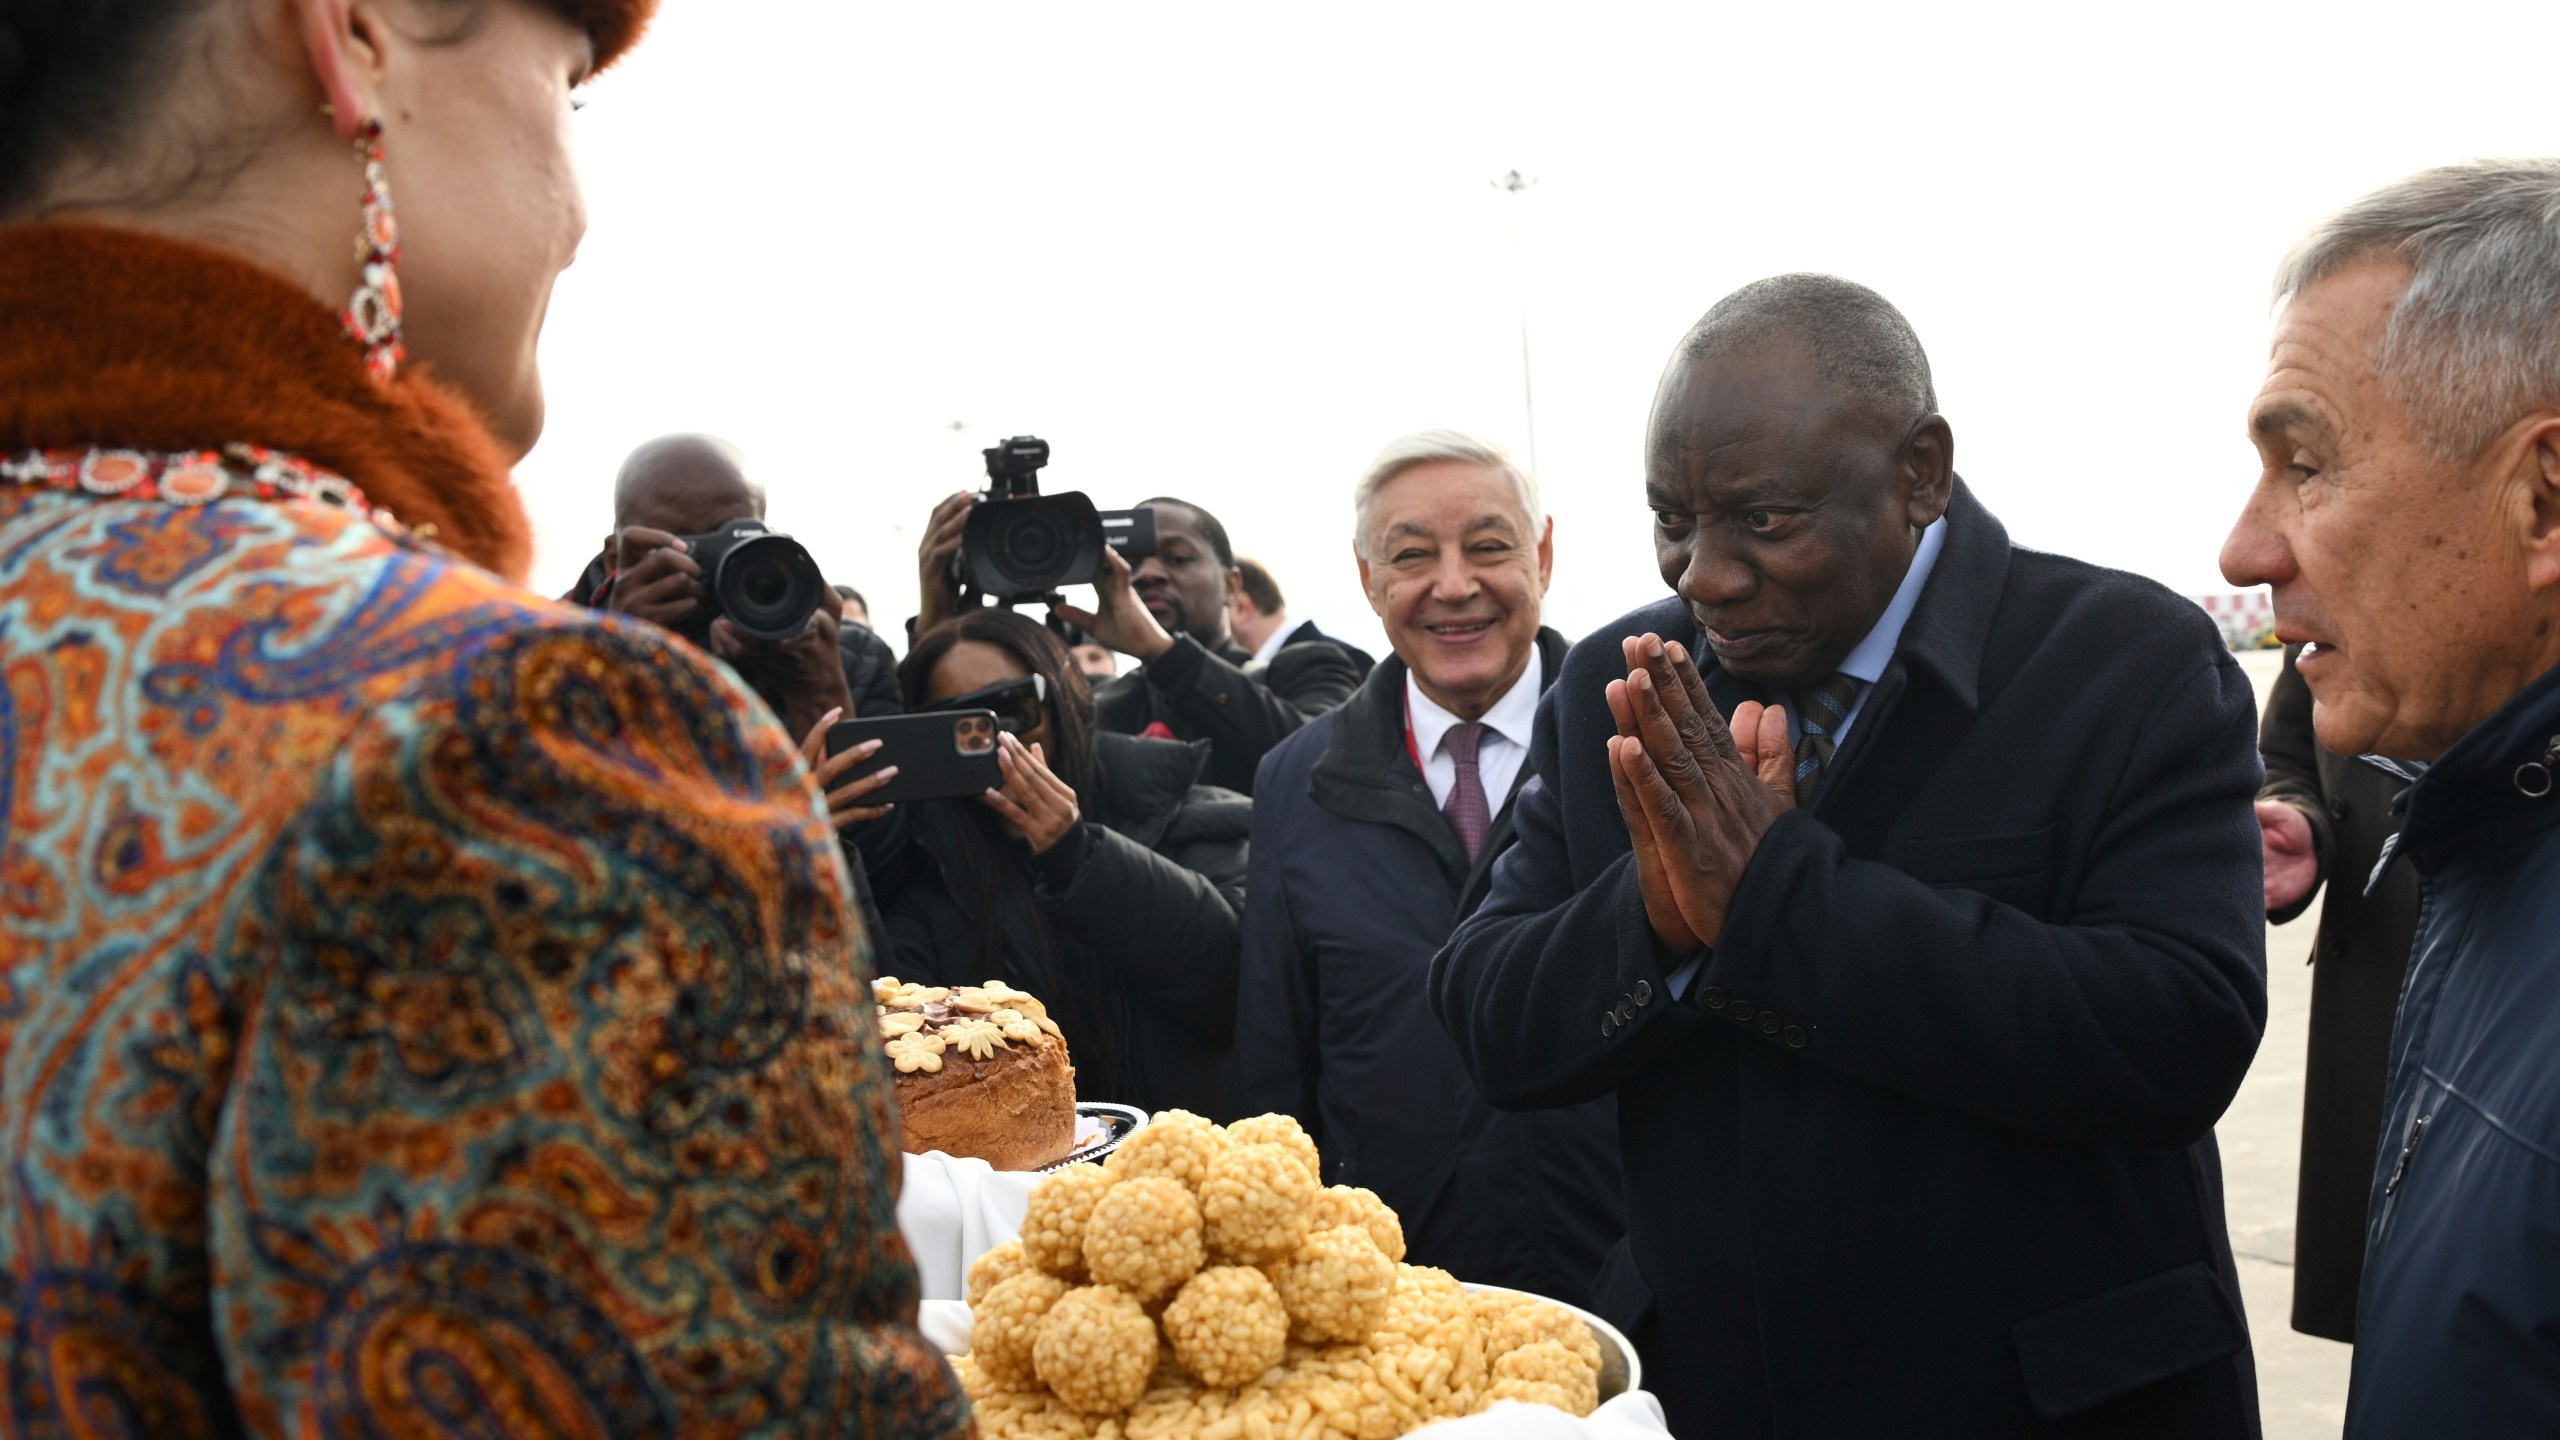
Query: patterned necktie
(1821, 711)
(1466, 811)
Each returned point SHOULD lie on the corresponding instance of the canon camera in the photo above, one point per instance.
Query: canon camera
(761, 579)
(1020, 545)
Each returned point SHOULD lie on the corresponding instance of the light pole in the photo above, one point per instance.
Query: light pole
(1518, 186)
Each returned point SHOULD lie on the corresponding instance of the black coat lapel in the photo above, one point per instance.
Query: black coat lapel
(1918, 724)
(1367, 775)
(1929, 697)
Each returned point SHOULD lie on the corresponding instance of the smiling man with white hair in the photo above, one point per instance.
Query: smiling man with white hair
(1374, 832)
(2407, 514)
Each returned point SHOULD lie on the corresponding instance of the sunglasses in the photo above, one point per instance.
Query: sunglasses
(1020, 705)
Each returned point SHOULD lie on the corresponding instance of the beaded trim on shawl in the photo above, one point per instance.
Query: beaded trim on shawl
(236, 472)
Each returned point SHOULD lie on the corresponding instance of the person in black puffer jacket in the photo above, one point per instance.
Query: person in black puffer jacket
(1104, 878)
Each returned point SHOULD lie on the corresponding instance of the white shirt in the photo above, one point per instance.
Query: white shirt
(1278, 637)
(1499, 754)
(1865, 663)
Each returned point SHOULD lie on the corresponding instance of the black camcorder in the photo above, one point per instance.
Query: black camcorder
(1020, 545)
(761, 579)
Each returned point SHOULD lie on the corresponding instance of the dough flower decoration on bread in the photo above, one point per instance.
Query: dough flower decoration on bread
(979, 1039)
(1202, 1283)
(919, 1051)
(995, 995)
(900, 994)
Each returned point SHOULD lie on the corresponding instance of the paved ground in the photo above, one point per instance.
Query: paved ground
(2302, 1381)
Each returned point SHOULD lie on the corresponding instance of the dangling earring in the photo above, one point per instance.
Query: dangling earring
(373, 314)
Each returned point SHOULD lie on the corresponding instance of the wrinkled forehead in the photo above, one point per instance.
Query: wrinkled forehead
(1763, 410)
(2324, 355)
(1450, 497)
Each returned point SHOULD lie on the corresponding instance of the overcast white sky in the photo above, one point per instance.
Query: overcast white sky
(1226, 252)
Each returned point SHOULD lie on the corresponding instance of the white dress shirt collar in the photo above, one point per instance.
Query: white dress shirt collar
(1506, 743)
(1272, 642)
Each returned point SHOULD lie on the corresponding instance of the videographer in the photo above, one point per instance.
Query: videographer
(1103, 878)
(1170, 614)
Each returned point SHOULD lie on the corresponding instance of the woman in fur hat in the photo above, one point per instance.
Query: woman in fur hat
(422, 1008)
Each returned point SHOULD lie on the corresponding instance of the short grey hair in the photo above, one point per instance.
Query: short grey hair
(1857, 338)
(1436, 447)
(2474, 343)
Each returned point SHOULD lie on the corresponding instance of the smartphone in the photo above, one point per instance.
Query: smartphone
(940, 755)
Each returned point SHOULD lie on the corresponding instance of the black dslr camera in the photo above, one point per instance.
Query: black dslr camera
(761, 579)
(1020, 545)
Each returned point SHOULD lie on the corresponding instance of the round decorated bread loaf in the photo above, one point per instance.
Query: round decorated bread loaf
(980, 1071)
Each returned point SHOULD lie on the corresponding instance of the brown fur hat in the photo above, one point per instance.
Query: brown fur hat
(615, 24)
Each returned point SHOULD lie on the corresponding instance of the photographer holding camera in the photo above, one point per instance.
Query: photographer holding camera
(1166, 607)
(681, 494)
(689, 553)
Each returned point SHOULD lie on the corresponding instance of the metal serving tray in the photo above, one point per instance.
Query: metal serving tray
(1620, 1370)
(1107, 1124)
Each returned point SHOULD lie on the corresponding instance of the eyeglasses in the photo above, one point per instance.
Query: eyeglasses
(1020, 705)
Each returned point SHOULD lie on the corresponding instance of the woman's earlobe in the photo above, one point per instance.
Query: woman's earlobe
(342, 59)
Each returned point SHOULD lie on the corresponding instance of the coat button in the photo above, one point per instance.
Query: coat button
(1712, 998)
(2337, 807)
(1794, 1037)
(1222, 697)
(1742, 1011)
(1644, 992)
(1608, 1024)
(1768, 1022)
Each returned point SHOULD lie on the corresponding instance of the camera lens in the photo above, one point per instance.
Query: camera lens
(769, 587)
(1025, 547)
(1033, 543)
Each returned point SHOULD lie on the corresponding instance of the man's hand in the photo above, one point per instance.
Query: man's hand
(653, 578)
(1759, 737)
(1119, 618)
(1670, 932)
(1036, 806)
(1705, 805)
(937, 590)
(2293, 866)
(805, 672)
(845, 809)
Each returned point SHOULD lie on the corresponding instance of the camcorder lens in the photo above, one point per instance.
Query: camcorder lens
(1033, 542)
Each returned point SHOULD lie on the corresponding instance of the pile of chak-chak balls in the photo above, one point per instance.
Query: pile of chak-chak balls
(1204, 1283)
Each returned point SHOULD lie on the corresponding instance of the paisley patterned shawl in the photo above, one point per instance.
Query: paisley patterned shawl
(424, 1010)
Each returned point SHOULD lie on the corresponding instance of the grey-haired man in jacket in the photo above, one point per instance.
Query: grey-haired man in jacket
(2407, 514)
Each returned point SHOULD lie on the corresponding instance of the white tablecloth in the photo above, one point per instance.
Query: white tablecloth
(953, 1210)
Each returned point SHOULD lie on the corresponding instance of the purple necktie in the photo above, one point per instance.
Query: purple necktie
(1466, 811)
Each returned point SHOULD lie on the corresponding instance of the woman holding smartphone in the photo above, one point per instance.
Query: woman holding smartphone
(1101, 877)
